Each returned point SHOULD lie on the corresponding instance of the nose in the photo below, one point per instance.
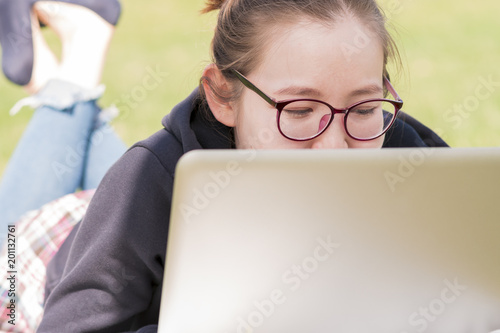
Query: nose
(334, 137)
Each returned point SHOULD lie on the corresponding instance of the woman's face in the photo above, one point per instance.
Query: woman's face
(340, 66)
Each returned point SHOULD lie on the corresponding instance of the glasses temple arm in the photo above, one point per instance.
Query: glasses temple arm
(391, 89)
(252, 87)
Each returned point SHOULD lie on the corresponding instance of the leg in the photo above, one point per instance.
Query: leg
(82, 19)
(51, 157)
(105, 147)
(48, 161)
(16, 41)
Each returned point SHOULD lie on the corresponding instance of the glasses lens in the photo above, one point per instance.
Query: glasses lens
(304, 119)
(369, 119)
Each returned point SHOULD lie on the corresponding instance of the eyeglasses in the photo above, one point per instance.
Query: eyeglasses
(306, 119)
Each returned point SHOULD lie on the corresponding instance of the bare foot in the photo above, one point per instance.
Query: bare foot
(84, 36)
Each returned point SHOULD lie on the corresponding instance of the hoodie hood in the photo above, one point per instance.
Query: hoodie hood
(195, 127)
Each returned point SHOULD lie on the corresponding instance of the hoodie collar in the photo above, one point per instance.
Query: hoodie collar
(197, 128)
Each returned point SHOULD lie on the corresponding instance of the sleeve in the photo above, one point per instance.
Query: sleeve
(112, 275)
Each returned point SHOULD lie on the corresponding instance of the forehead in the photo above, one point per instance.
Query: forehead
(334, 57)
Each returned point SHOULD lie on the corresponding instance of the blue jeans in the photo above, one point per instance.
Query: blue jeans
(60, 152)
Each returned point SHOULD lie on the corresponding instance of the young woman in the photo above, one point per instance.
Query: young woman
(286, 74)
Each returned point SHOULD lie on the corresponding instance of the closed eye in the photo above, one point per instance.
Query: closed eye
(296, 113)
(363, 111)
(366, 109)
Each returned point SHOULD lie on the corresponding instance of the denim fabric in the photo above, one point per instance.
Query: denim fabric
(60, 152)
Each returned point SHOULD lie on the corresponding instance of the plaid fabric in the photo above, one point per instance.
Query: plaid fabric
(38, 236)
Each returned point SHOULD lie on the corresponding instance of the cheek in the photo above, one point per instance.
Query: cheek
(257, 129)
(256, 126)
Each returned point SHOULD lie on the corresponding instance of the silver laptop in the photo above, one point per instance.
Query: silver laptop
(382, 241)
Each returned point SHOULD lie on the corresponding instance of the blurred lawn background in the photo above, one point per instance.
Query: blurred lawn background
(448, 48)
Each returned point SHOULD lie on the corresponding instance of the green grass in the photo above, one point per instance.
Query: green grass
(447, 46)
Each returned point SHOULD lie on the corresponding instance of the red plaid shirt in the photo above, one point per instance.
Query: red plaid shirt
(38, 236)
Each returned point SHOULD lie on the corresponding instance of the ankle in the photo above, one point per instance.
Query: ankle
(59, 95)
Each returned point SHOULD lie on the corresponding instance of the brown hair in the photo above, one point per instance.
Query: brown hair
(244, 27)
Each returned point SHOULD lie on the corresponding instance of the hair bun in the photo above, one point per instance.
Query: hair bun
(211, 5)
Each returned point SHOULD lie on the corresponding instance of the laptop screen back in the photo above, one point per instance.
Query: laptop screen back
(392, 240)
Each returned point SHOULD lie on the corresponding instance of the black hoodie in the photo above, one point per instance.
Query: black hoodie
(107, 276)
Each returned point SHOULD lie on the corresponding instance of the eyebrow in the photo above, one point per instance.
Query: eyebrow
(315, 93)
(367, 90)
(299, 91)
